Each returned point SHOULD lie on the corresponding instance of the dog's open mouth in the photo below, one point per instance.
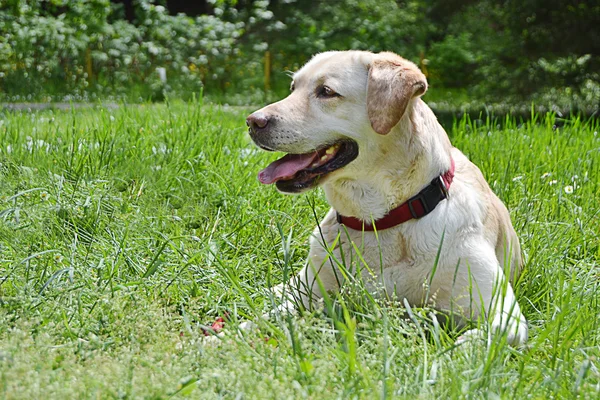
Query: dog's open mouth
(297, 172)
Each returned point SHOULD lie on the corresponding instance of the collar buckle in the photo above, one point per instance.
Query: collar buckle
(442, 184)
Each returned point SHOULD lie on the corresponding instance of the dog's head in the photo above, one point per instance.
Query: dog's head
(340, 102)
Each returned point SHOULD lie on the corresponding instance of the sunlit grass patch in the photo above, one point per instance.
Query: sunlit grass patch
(123, 232)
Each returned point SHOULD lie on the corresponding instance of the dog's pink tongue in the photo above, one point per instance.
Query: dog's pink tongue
(285, 167)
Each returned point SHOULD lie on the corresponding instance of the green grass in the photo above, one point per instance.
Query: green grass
(123, 232)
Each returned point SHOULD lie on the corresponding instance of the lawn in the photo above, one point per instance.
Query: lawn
(124, 231)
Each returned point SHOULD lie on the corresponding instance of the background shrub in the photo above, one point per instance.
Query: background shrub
(88, 49)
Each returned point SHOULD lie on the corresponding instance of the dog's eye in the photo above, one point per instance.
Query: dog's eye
(326, 92)
(292, 87)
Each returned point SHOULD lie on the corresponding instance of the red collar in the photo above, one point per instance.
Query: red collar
(416, 207)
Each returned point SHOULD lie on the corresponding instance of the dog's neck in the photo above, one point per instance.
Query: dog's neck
(394, 168)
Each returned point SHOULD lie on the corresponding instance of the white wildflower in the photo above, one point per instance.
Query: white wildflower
(568, 189)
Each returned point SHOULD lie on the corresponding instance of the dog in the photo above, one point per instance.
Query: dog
(417, 211)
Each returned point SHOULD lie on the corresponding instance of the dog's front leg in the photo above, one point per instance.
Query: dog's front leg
(305, 289)
(490, 293)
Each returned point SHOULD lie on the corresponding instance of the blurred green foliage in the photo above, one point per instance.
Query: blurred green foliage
(86, 49)
(83, 50)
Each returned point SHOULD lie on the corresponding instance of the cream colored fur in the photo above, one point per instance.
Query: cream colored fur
(402, 147)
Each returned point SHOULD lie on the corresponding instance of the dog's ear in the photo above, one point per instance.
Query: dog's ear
(391, 86)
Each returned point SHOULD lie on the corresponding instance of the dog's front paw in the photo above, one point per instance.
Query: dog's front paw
(470, 335)
(516, 336)
(515, 329)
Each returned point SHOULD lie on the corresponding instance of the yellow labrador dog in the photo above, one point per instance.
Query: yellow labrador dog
(355, 125)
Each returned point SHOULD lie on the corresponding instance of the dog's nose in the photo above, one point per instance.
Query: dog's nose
(257, 120)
